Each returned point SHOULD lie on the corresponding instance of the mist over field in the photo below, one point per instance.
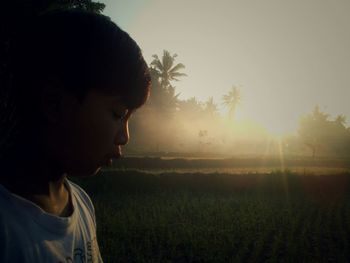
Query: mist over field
(201, 132)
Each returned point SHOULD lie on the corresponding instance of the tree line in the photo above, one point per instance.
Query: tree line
(317, 133)
(321, 134)
(165, 72)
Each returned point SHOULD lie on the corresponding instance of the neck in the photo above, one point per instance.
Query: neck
(30, 175)
(39, 181)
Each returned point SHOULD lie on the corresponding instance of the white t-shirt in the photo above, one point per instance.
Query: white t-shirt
(29, 234)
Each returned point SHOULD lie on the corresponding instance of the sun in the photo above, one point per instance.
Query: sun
(279, 128)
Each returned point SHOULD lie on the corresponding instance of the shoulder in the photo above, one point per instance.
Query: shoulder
(80, 192)
(12, 229)
(83, 200)
(4, 240)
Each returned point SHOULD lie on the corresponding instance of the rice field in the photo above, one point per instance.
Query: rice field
(280, 216)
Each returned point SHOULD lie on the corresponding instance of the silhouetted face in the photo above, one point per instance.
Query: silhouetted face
(89, 133)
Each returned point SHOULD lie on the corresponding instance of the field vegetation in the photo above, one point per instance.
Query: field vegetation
(277, 216)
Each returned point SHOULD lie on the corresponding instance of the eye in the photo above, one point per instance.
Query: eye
(120, 116)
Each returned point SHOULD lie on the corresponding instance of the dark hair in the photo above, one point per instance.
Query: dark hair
(81, 51)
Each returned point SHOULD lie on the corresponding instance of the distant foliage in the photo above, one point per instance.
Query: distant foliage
(154, 127)
(15, 13)
(321, 134)
(164, 72)
(231, 100)
(211, 108)
(192, 108)
(168, 123)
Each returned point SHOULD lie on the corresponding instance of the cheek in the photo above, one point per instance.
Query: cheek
(91, 141)
(96, 137)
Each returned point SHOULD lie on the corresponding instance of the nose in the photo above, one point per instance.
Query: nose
(123, 136)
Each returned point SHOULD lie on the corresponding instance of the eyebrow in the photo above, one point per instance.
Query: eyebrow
(117, 101)
(124, 109)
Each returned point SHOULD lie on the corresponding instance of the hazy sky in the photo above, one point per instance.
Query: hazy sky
(286, 56)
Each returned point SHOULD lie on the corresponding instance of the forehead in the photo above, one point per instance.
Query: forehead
(100, 99)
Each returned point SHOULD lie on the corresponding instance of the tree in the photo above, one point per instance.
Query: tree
(231, 100)
(166, 70)
(312, 129)
(190, 108)
(340, 120)
(164, 100)
(317, 131)
(319, 116)
(15, 13)
(163, 72)
(210, 107)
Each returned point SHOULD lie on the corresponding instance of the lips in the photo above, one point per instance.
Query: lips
(118, 152)
(109, 162)
(116, 155)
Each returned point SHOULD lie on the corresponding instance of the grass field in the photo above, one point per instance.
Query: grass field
(221, 217)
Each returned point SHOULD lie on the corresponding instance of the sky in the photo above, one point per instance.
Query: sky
(285, 56)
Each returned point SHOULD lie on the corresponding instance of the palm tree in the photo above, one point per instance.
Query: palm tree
(319, 116)
(210, 107)
(232, 99)
(340, 119)
(191, 107)
(166, 70)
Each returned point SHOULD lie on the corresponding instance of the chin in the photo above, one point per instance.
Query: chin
(93, 172)
(96, 171)
(86, 173)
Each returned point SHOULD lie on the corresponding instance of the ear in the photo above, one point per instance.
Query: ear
(56, 103)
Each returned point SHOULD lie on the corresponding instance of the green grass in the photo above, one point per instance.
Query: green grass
(278, 217)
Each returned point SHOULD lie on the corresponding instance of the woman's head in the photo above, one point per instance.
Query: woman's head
(79, 54)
